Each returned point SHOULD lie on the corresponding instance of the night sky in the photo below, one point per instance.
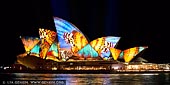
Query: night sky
(139, 23)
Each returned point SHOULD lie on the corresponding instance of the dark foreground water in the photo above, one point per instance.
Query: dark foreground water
(85, 79)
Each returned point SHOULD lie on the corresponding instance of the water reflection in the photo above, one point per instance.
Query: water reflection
(97, 79)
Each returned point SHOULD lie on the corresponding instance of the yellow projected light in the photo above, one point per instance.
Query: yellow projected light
(115, 53)
(29, 42)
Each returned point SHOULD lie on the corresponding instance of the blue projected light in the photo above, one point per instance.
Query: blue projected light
(53, 48)
(66, 29)
(62, 27)
(36, 49)
(88, 51)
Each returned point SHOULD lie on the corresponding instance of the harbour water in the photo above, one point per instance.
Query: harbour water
(85, 79)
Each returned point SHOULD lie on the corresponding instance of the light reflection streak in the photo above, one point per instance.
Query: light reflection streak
(96, 79)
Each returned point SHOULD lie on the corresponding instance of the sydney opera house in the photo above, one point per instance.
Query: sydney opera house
(68, 48)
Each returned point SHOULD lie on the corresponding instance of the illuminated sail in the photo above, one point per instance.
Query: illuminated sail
(68, 42)
(88, 51)
(76, 40)
(53, 51)
(115, 53)
(29, 42)
(130, 53)
(35, 50)
(48, 35)
(52, 56)
(69, 36)
(97, 44)
(127, 54)
(102, 45)
(47, 38)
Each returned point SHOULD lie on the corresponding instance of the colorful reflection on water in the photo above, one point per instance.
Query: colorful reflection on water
(95, 79)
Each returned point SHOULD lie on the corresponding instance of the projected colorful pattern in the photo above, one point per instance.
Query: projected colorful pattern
(127, 54)
(53, 50)
(52, 53)
(115, 53)
(72, 38)
(65, 30)
(69, 42)
(47, 35)
(36, 49)
(102, 45)
(88, 51)
(47, 38)
(29, 42)
(76, 40)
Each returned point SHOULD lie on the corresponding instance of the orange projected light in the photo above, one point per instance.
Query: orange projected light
(68, 42)
(97, 44)
(79, 41)
(115, 53)
(127, 54)
(47, 38)
(130, 53)
(29, 42)
(48, 35)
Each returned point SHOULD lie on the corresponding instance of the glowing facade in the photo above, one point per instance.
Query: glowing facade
(69, 43)
(127, 54)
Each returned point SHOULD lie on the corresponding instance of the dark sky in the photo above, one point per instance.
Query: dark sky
(139, 23)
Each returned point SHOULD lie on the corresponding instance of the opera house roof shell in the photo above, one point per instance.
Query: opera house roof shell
(69, 43)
